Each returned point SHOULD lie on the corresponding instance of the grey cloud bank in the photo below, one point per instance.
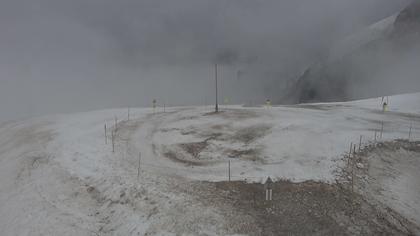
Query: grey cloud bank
(65, 56)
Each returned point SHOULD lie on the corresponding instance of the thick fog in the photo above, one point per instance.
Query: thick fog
(64, 56)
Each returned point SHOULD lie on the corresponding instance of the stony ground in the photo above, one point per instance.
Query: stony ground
(309, 208)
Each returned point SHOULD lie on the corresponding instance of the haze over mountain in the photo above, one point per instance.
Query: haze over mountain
(64, 56)
(181, 168)
(377, 61)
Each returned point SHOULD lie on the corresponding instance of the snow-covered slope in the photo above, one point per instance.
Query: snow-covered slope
(59, 177)
(375, 61)
(355, 41)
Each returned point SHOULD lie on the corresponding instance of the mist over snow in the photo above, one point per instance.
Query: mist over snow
(84, 151)
(64, 56)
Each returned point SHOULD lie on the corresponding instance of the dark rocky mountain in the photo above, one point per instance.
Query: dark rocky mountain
(381, 60)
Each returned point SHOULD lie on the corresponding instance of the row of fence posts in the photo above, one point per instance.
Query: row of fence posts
(113, 137)
(353, 160)
(113, 131)
(410, 132)
(351, 156)
(352, 152)
(353, 147)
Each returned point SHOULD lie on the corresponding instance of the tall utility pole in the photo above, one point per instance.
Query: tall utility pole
(217, 101)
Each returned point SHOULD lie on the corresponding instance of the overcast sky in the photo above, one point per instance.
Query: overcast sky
(76, 55)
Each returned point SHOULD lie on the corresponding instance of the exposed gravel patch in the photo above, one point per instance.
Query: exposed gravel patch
(309, 208)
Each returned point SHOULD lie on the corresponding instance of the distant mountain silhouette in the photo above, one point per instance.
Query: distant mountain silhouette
(380, 60)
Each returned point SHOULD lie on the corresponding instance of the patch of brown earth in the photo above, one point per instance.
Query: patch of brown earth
(194, 149)
(250, 134)
(309, 208)
(247, 154)
(174, 157)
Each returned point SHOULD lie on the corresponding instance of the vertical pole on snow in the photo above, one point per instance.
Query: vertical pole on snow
(113, 140)
(116, 123)
(409, 133)
(106, 141)
(217, 99)
(138, 170)
(382, 129)
(229, 170)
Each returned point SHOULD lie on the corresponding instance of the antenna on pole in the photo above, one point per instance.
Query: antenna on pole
(217, 101)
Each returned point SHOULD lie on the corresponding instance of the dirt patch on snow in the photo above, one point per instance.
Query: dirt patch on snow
(250, 134)
(309, 208)
(176, 158)
(246, 154)
(218, 140)
(194, 149)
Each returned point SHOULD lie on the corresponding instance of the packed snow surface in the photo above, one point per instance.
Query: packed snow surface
(59, 175)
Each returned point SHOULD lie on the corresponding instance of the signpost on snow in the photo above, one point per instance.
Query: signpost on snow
(268, 189)
(106, 141)
(409, 133)
(217, 99)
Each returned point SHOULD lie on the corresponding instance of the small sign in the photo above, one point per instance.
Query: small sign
(268, 189)
(154, 103)
(268, 103)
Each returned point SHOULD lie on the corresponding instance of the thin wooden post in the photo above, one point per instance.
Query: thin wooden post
(360, 143)
(351, 147)
(138, 170)
(113, 140)
(375, 135)
(352, 169)
(352, 176)
(229, 170)
(382, 129)
(217, 99)
(409, 133)
(106, 140)
(116, 123)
